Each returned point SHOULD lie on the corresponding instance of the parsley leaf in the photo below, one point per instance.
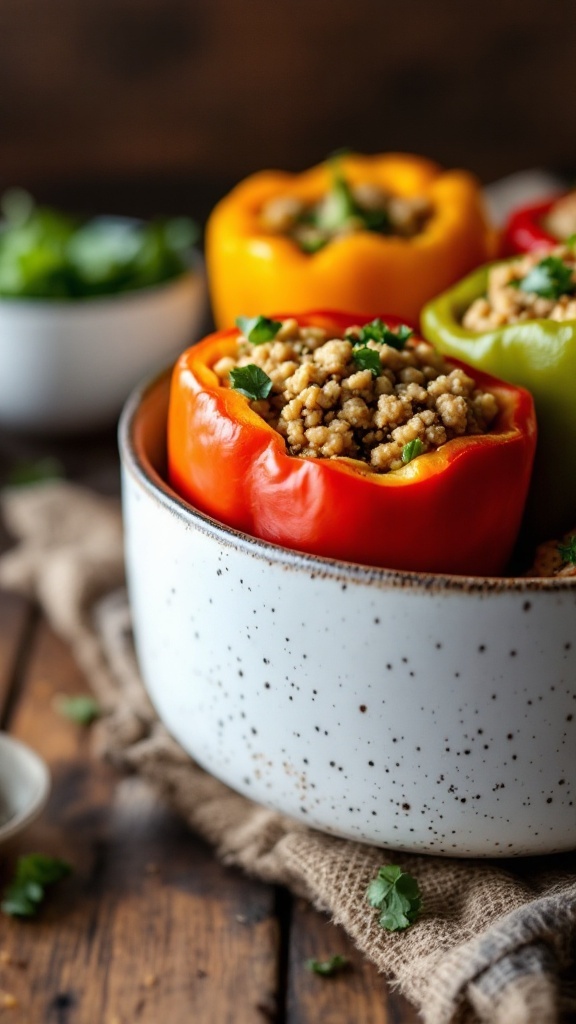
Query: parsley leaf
(411, 450)
(367, 359)
(568, 551)
(397, 896)
(377, 330)
(258, 329)
(550, 279)
(81, 708)
(338, 205)
(328, 967)
(251, 381)
(34, 872)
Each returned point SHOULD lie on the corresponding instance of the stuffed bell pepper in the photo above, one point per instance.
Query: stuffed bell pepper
(541, 225)
(356, 232)
(517, 319)
(352, 438)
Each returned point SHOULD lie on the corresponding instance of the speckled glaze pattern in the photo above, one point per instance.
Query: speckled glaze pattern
(431, 714)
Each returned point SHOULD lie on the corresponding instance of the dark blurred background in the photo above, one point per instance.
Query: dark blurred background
(159, 106)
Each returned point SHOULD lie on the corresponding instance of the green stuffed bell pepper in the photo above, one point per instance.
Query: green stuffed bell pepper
(516, 319)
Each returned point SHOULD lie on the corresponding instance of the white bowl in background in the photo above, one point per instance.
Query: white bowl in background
(24, 786)
(428, 713)
(68, 365)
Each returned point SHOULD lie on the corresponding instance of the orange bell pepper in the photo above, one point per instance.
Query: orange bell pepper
(456, 509)
(254, 271)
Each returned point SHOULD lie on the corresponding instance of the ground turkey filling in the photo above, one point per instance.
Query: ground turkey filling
(326, 405)
(362, 207)
(510, 300)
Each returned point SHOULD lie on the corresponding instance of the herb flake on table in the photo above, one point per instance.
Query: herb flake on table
(397, 896)
(328, 968)
(24, 474)
(34, 873)
(79, 708)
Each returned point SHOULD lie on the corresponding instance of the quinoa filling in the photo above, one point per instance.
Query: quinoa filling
(344, 210)
(374, 394)
(531, 287)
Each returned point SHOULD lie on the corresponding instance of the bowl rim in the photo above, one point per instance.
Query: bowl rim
(17, 822)
(194, 271)
(137, 464)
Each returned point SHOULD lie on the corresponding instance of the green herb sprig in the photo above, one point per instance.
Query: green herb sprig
(397, 896)
(258, 329)
(367, 359)
(412, 450)
(550, 279)
(377, 330)
(34, 872)
(251, 381)
(567, 551)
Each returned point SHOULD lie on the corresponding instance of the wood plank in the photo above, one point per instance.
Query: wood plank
(149, 925)
(357, 994)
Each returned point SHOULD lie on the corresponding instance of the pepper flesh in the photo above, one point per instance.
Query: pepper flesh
(525, 231)
(253, 271)
(539, 355)
(454, 510)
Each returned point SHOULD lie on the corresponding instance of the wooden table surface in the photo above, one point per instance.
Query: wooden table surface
(149, 928)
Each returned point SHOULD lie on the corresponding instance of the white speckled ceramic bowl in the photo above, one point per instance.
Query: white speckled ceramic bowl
(68, 366)
(426, 713)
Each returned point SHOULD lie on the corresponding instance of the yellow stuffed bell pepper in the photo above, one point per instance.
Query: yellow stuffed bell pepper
(357, 232)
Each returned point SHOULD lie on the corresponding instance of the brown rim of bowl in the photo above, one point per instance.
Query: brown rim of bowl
(147, 477)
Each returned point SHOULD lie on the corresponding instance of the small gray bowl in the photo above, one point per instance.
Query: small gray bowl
(24, 786)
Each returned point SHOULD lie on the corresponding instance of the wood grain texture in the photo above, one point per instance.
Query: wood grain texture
(150, 926)
(336, 999)
(163, 87)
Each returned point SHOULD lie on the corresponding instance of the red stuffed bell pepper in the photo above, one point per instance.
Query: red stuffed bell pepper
(455, 508)
(540, 225)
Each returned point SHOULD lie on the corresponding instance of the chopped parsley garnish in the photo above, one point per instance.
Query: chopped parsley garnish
(411, 450)
(338, 205)
(377, 330)
(367, 359)
(81, 708)
(258, 329)
(251, 381)
(337, 211)
(26, 892)
(397, 896)
(568, 551)
(550, 278)
(327, 968)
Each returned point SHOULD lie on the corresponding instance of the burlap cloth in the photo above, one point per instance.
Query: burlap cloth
(496, 941)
